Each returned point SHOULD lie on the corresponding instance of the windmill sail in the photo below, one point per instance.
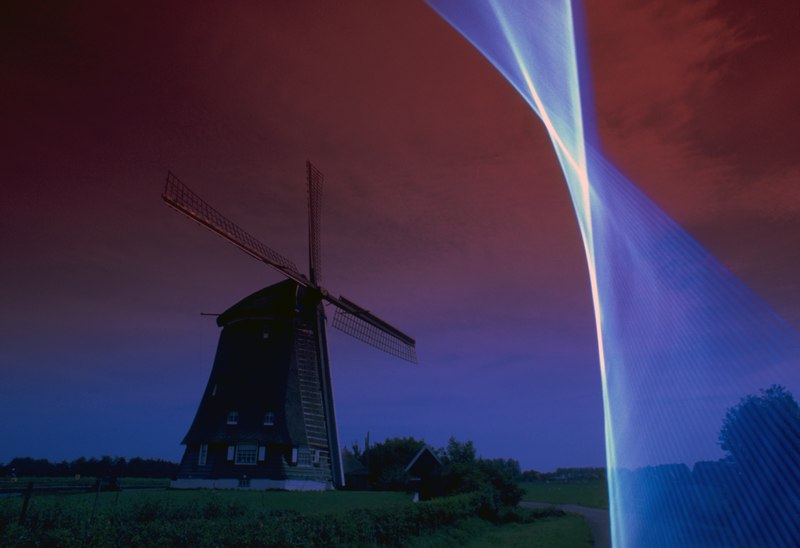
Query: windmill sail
(366, 327)
(350, 318)
(184, 200)
(315, 180)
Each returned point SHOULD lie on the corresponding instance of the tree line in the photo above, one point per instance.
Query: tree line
(458, 470)
(105, 466)
(385, 462)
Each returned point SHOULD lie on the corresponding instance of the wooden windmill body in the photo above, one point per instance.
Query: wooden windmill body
(266, 419)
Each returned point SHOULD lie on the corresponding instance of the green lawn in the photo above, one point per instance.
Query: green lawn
(569, 531)
(214, 518)
(202, 518)
(304, 502)
(592, 493)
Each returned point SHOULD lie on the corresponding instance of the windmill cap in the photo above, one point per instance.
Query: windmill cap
(279, 299)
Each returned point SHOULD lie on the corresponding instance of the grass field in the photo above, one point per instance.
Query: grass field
(227, 518)
(309, 503)
(591, 493)
(209, 518)
(569, 531)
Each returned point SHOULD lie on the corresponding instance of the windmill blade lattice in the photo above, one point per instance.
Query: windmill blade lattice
(361, 325)
(184, 200)
(315, 181)
(349, 318)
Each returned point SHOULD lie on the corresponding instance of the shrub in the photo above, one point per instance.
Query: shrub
(220, 522)
(491, 479)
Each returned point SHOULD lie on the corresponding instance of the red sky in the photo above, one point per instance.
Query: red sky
(444, 210)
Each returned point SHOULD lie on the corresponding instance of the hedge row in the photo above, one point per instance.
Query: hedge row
(228, 524)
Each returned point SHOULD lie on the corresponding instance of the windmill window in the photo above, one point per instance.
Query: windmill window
(202, 455)
(233, 417)
(269, 418)
(304, 456)
(262, 453)
(246, 453)
(265, 334)
(231, 451)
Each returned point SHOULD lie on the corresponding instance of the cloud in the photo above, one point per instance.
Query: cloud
(775, 195)
(696, 105)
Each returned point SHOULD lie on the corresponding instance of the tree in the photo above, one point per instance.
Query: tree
(355, 451)
(387, 461)
(510, 466)
(495, 478)
(460, 453)
(761, 434)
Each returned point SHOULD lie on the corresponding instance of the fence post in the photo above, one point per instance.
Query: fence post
(98, 484)
(25, 501)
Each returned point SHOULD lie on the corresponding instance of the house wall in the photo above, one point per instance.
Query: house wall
(277, 467)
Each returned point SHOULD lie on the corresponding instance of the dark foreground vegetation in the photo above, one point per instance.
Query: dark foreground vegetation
(465, 500)
(457, 470)
(209, 518)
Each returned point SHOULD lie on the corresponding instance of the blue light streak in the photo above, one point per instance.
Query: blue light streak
(680, 339)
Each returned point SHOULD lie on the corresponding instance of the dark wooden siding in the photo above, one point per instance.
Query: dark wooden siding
(254, 374)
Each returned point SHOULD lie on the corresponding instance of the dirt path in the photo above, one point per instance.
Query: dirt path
(597, 518)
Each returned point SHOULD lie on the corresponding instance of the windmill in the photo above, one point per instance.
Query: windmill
(266, 418)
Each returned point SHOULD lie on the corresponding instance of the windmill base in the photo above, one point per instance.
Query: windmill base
(254, 484)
